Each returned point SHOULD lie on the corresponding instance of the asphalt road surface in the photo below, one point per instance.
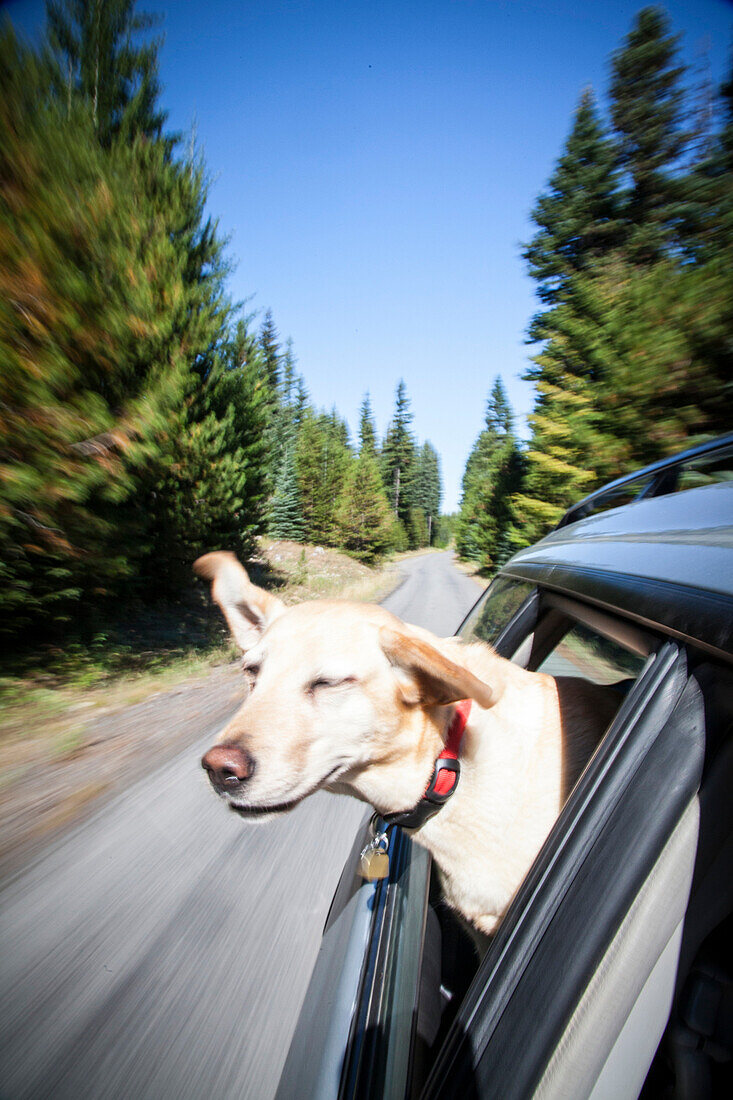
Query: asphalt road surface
(163, 948)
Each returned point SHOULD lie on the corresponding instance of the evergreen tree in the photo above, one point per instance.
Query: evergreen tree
(558, 470)
(286, 517)
(98, 62)
(363, 520)
(300, 406)
(486, 526)
(289, 376)
(270, 344)
(710, 217)
(323, 458)
(83, 317)
(647, 109)
(665, 360)
(577, 217)
(398, 456)
(428, 489)
(367, 429)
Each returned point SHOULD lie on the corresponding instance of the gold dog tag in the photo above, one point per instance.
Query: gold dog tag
(374, 864)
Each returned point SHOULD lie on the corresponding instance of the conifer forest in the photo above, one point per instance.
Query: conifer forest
(146, 418)
(632, 346)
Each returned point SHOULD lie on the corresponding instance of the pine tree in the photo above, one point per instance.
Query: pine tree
(577, 217)
(647, 109)
(195, 488)
(364, 523)
(558, 469)
(286, 517)
(367, 428)
(428, 489)
(84, 316)
(486, 526)
(398, 456)
(323, 458)
(97, 61)
(710, 222)
(270, 344)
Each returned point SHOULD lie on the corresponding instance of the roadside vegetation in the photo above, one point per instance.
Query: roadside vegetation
(633, 260)
(144, 417)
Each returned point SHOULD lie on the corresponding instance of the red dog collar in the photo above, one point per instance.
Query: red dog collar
(444, 779)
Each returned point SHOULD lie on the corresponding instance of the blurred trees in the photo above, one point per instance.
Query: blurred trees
(143, 419)
(99, 65)
(633, 260)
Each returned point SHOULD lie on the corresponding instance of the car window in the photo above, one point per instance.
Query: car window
(709, 469)
(500, 603)
(585, 653)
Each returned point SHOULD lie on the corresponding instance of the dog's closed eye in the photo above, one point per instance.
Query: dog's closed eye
(325, 682)
(251, 672)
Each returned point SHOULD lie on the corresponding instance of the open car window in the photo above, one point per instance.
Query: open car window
(557, 637)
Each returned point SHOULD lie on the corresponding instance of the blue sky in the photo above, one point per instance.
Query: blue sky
(374, 163)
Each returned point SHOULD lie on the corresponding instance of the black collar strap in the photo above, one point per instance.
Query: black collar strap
(444, 779)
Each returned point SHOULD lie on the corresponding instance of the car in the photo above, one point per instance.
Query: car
(611, 974)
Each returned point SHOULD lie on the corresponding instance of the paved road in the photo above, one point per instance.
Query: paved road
(434, 594)
(162, 950)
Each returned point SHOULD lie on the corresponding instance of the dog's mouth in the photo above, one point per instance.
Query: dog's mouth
(264, 811)
(273, 808)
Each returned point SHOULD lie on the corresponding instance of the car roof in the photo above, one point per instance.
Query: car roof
(664, 561)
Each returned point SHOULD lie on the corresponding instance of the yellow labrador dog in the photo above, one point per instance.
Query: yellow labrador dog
(348, 698)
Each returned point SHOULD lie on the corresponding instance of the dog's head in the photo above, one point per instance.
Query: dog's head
(334, 689)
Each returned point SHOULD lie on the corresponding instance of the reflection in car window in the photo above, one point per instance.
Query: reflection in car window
(500, 604)
(706, 470)
(584, 653)
(616, 498)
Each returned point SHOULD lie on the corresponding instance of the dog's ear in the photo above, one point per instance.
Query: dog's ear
(247, 608)
(432, 679)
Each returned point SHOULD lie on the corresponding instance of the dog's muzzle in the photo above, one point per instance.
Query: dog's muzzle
(228, 767)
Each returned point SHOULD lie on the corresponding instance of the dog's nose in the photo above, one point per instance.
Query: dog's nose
(228, 766)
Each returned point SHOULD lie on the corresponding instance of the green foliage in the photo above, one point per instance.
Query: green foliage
(647, 108)
(364, 522)
(98, 65)
(367, 429)
(270, 345)
(485, 529)
(323, 458)
(82, 302)
(286, 514)
(397, 457)
(427, 494)
(633, 262)
(578, 215)
(132, 421)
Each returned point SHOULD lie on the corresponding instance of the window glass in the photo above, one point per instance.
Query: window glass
(706, 470)
(584, 653)
(502, 601)
(614, 498)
